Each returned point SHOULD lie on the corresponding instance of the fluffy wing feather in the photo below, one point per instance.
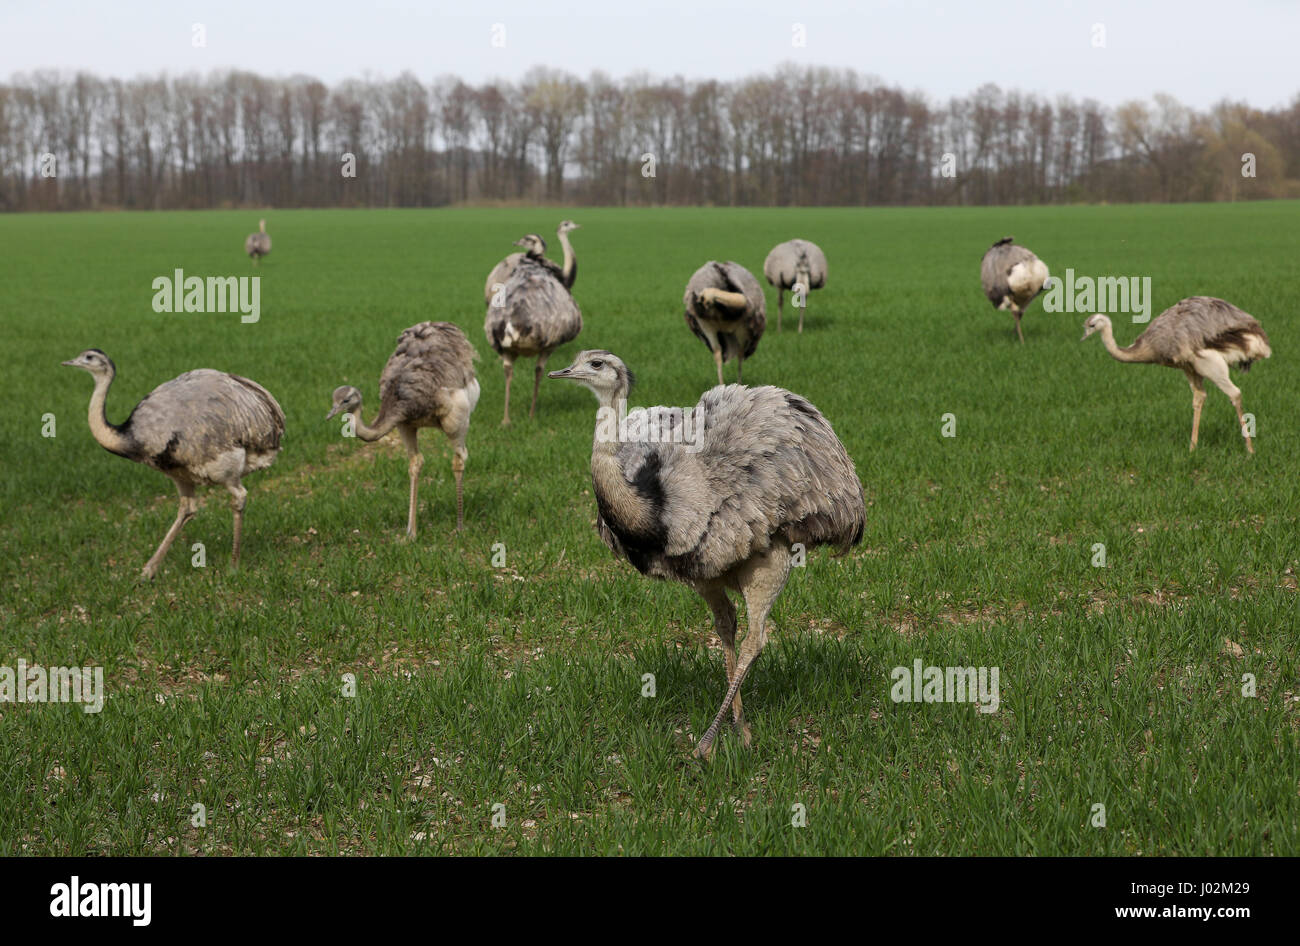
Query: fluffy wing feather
(769, 467)
(1199, 322)
(432, 360)
(788, 259)
(739, 335)
(539, 314)
(1000, 286)
(190, 421)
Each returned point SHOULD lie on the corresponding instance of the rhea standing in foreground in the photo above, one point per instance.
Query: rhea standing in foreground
(721, 512)
(1012, 277)
(428, 382)
(201, 427)
(258, 244)
(792, 264)
(725, 308)
(532, 315)
(1204, 337)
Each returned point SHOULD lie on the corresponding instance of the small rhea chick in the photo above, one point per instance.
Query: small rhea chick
(428, 382)
(719, 510)
(1201, 335)
(201, 427)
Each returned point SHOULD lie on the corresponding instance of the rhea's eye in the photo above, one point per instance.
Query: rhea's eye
(597, 365)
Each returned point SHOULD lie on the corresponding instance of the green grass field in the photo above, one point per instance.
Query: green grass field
(522, 686)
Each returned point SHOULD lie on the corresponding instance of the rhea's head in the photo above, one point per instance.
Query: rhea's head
(601, 372)
(1095, 323)
(94, 361)
(346, 399)
(566, 226)
(533, 244)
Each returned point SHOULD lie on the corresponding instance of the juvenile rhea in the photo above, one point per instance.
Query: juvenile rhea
(258, 244)
(719, 506)
(1201, 335)
(201, 427)
(428, 382)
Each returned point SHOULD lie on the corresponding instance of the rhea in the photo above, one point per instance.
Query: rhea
(428, 382)
(530, 315)
(535, 247)
(202, 427)
(1012, 277)
(258, 244)
(1204, 337)
(796, 265)
(725, 308)
(722, 513)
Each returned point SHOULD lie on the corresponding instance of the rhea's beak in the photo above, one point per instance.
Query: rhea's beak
(71, 363)
(334, 410)
(518, 243)
(562, 373)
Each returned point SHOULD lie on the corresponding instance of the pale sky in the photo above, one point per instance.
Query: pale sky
(1200, 51)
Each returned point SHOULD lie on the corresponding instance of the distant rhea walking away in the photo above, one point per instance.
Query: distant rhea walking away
(719, 507)
(1012, 277)
(428, 382)
(258, 244)
(535, 246)
(795, 265)
(532, 314)
(201, 427)
(726, 309)
(1204, 337)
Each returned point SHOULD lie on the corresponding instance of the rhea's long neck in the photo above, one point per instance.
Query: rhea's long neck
(619, 501)
(569, 271)
(107, 435)
(1132, 353)
(370, 434)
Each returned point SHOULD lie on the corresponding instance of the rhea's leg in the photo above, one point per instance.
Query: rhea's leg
(740, 366)
(1212, 365)
(1019, 334)
(414, 463)
(762, 581)
(780, 306)
(717, 360)
(458, 457)
(1198, 398)
(537, 380)
(724, 623)
(509, 366)
(238, 500)
(183, 515)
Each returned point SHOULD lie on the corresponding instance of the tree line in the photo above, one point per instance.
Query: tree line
(796, 136)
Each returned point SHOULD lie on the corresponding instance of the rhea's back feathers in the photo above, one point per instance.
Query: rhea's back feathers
(770, 468)
(539, 314)
(1011, 274)
(196, 418)
(1201, 322)
(787, 260)
(432, 360)
(748, 327)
